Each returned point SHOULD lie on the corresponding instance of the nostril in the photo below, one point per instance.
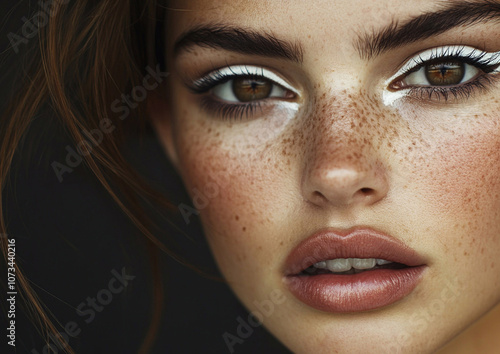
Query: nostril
(367, 191)
(318, 196)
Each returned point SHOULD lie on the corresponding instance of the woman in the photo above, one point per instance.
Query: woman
(342, 156)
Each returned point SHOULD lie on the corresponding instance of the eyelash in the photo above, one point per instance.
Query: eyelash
(486, 62)
(228, 111)
(464, 91)
(481, 82)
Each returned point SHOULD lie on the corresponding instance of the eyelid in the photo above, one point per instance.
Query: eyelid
(443, 52)
(486, 58)
(246, 70)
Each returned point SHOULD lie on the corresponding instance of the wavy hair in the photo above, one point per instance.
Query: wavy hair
(87, 54)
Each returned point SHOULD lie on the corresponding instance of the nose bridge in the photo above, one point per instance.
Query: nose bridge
(342, 164)
(344, 134)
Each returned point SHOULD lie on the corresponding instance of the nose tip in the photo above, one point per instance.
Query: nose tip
(347, 165)
(345, 186)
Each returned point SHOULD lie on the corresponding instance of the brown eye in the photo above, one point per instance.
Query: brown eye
(248, 84)
(453, 72)
(436, 74)
(445, 73)
(248, 89)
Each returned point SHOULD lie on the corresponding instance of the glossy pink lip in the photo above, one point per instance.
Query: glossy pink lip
(352, 292)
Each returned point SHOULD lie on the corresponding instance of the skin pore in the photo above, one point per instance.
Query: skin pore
(334, 145)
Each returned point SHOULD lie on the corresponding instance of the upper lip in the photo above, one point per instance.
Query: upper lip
(354, 243)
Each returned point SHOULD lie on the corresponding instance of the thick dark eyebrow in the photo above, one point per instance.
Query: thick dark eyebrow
(464, 13)
(240, 40)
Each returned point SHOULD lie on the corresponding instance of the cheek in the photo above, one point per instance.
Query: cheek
(455, 174)
(467, 178)
(233, 197)
(235, 180)
(462, 173)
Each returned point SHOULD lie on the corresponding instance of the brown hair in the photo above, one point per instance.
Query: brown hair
(87, 54)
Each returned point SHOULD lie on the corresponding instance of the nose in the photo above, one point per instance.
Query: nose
(343, 169)
(344, 185)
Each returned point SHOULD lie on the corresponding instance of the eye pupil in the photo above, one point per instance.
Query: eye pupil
(445, 73)
(249, 89)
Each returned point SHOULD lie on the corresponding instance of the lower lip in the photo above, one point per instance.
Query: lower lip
(364, 291)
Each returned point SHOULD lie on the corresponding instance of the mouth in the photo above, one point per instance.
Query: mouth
(350, 266)
(353, 271)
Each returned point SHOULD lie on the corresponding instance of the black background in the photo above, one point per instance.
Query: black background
(70, 236)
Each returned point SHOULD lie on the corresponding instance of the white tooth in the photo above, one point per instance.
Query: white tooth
(360, 263)
(321, 265)
(338, 265)
(382, 261)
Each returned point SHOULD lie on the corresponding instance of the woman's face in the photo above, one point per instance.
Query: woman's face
(308, 131)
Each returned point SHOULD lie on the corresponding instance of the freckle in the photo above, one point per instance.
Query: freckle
(281, 243)
(237, 217)
(482, 250)
(244, 229)
(465, 253)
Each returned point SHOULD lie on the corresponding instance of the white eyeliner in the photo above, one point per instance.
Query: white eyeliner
(244, 70)
(389, 97)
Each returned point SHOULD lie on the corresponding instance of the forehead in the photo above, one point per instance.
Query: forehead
(315, 20)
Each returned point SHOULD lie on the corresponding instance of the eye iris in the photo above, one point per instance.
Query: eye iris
(443, 74)
(247, 89)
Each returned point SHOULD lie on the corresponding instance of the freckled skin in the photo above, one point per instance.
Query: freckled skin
(427, 173)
